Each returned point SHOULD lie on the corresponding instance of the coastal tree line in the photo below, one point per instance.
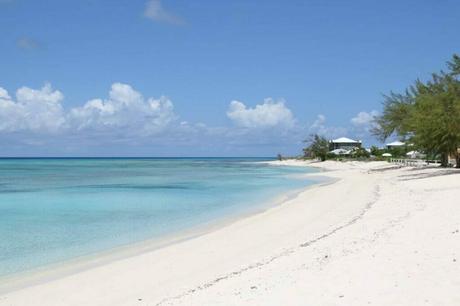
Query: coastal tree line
(426, 115)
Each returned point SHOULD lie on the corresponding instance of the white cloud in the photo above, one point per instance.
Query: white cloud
(359, 129)
(4, 94)
(320, 127)
(154, 10)
(124, 112)
(319, 122)
(363, 123)
(34, 110)
(268, 114)
(364, 119)
(126, 109)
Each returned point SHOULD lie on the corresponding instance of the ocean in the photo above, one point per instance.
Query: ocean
(54, 210)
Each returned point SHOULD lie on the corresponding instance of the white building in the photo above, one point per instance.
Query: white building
(344, 143)
(395, 144)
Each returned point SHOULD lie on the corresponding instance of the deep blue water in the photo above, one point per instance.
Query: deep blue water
(52, 210)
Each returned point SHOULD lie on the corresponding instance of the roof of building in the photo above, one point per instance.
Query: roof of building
(340, 151)
(344, 140)
(395, 144)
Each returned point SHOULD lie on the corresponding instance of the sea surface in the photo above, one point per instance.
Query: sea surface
(53, 210)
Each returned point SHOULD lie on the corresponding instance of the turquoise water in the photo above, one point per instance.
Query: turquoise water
(52, 210)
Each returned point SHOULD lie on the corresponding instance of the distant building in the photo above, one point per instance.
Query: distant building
(344, 143)
(415, 154)
(395, 144)
(340, 152)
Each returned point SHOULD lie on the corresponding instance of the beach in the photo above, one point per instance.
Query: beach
(373, 234)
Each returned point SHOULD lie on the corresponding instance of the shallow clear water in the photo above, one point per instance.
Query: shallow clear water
(53, 210)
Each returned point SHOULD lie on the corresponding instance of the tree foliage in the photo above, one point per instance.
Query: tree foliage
(376, 151)
(318, 147)
(427, 115)
(360, 153)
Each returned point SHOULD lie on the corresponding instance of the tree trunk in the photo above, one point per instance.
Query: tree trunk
(457, 159)
(444, 159)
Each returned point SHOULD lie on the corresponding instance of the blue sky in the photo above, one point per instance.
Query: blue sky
(207, 78)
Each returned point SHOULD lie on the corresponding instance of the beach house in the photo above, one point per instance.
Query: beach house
(344, 143)
(395, 144)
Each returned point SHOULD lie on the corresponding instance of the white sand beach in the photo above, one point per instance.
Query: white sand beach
(377, 235)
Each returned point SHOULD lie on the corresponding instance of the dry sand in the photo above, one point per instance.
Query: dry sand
(378, 235)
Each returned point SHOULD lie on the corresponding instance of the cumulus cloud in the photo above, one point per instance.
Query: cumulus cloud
(321, 127)
(364, 119)
(363, 123)
(319, 122)
(34, 110)
(154, 10)
(124, 109)
(268, 114)
(4, 94)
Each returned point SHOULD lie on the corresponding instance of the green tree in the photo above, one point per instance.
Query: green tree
(427, 115)
(360, 153)
(397, 109)
(436, 117)
(318, 147)
(375, 151)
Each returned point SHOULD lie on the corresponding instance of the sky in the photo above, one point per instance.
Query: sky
(208, 78)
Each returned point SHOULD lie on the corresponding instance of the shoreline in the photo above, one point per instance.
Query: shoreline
(377, 235)
(55, 271)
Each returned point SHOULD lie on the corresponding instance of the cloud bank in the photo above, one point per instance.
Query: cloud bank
(127, 123)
